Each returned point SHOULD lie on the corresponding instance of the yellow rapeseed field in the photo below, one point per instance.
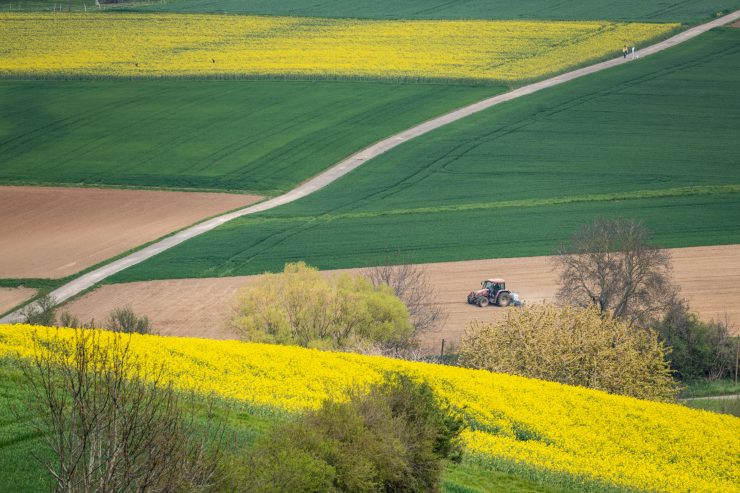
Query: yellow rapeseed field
(557, 428)
(163, 45)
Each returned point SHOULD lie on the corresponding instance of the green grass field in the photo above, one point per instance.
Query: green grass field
(723, 406)
(663, 11)
(257, 136)
(21, 447)
(707, 388)
(712, 396)
(654, 140)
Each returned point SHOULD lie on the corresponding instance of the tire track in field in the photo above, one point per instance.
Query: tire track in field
(356, 160)
(689, 191)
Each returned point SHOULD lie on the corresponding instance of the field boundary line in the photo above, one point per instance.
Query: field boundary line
(90, 279)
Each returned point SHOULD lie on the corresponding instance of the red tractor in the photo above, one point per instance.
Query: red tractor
(493, 292)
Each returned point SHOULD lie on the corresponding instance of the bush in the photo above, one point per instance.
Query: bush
(302, 307)
(126, 321)
(698, 349)
(391, 439)
(70, 321)
(575, 346)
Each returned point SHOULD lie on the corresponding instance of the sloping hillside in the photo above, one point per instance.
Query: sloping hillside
(546, 428)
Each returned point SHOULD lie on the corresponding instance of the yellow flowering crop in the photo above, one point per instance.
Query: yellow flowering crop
(157, 45)
(559, 428)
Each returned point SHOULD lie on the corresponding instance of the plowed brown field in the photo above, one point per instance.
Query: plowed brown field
(55, 232)
(10, 297)
(709, 278)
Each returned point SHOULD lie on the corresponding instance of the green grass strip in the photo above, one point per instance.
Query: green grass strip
(694, 191)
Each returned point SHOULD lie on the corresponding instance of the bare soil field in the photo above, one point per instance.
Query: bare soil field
(709, 279)
(735, 24)
(54, 232)
(10, 297)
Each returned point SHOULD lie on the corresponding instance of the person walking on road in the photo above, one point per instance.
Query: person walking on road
(624, 51)
(634, 55)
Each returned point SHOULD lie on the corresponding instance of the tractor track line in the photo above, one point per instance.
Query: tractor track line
(90, 279)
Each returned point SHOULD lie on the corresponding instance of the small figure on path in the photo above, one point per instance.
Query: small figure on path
(634, 55)
(624, 51)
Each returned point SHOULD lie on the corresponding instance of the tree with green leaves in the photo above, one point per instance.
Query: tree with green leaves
(300, 306)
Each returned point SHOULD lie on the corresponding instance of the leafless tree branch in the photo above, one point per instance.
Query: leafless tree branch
(114, 422)
(411, 284)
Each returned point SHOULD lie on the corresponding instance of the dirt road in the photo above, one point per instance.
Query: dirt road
(709, 278)
(55, 232)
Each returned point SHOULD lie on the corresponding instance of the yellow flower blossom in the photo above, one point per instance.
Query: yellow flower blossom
(161, 45)
(563, 429)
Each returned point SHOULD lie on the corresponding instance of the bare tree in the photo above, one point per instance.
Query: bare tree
(612, 265)
(113, 422)
(411, 284)
(41, 312)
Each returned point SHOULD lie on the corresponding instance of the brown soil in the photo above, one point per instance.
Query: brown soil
(182, 307)
(735, 24)
(55, 232)
(709, 278)
(10, 297)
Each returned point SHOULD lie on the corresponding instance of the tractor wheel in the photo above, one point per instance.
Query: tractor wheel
(483, 302)
(504, 300)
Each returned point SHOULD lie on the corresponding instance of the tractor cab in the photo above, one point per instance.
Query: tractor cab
(493, 285)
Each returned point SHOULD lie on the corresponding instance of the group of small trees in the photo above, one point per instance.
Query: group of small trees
(122, 319)
(699, 349)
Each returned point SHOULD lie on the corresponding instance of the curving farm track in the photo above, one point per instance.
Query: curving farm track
(340, 169)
